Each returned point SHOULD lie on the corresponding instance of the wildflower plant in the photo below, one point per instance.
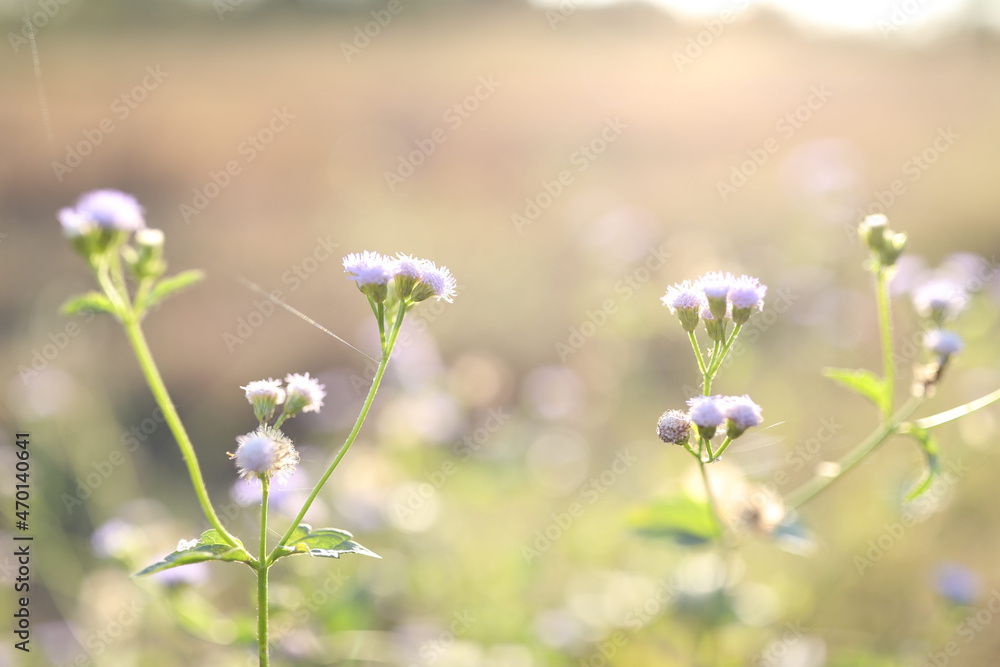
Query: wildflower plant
(108, 229)
(720, 304)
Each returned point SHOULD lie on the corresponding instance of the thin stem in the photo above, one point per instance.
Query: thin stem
(262, 567)
(350, 437)
(885, 332)
(722, 448)
(697, 353)
(711, 497)
(725, 350)
(135, 336)
(816, 485)
(960, 411)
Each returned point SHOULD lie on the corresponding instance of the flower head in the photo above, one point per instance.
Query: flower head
(264, 395)
(265, 452)
(706, 413)
(104, 209)
(746, 296)
(943, 343)
(885, 244)
(716, 327)
(406, 271)
(686, 301)
(741, 413)
(434, 281)
(716, 286)
(674, 426)
(303, 394)
(940, 300)
(370, 271)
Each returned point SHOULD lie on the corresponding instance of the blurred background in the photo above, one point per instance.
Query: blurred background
(567, 161)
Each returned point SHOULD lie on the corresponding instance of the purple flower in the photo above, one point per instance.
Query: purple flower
(407, 266)
(940, 299)
(264, 453)
(368, 268)
(942, 343)
(741, 413)
(716, 284)
(686, 301)
(434, 281)
(746, 296)
(674, 426)
(706, 413)
(104, 209)
(264, 395)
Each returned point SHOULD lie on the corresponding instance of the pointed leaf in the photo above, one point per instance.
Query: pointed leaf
(171, 284)
(860, 381)
(323, 543)
(198, 554)
(680, 519)
(931, 451)
(91, 302)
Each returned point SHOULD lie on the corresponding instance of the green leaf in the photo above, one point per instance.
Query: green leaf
(680, 519)
(210, 546)
(932, 452)
(91, 302)
(171, 284)
(861, 381)
(323, 543)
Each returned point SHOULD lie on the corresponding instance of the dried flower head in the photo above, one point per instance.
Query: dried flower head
(264, 396)
(302, 394)
(265, 452)
(674, 427)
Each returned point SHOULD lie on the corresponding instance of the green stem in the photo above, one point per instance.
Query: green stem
(885, 332)
(135, 336)
(960, 411)
(697, 353)
(816, 485)
(262, 568)
(725, 350)
(716, 517)
(722, 448)
(350, 437)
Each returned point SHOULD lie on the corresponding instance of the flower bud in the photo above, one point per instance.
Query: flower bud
(674, 427)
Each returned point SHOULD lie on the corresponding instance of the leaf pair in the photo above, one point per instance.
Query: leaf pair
(95, 302)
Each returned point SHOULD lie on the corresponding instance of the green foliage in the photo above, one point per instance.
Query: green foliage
(323, 542)
(210, 546)
(931, 451)
(862, 382)
(172, 284)
(91, 302)
(681, 519)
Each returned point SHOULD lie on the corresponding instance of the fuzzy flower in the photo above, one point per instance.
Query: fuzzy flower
(746, 296)
(674, 426)
(370, 271)
(706, 413)
(716, 286)
(303, 394)
(741, 413)
(943, 343)
(102, 209)
(686, 301)
(940, 300)
(407, 271)
(265, 452)
(264, 395)
(434, 281)
(716, 328)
